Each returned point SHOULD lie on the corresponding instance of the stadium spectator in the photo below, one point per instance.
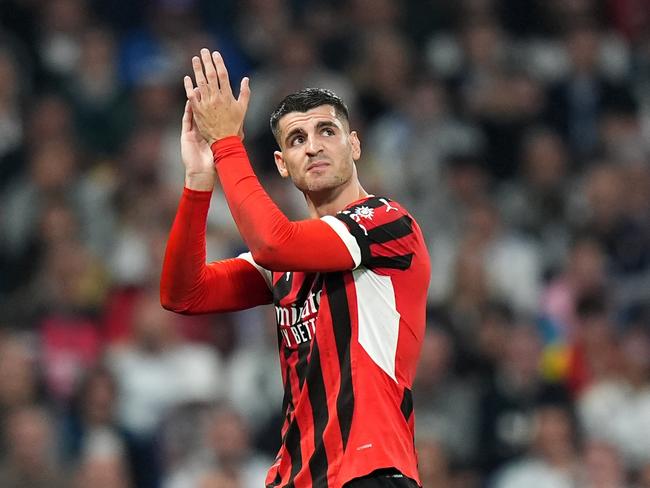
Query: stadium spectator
(508, 406)
(31, 456)
(553, 457)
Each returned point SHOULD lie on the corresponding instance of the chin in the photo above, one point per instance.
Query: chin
(324, 185)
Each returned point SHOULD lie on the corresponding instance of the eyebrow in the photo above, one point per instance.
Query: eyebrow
(294, 132)
(325, 123)
(320, 125)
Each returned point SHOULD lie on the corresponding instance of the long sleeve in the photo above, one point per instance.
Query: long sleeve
(189, 285)
(276, 243)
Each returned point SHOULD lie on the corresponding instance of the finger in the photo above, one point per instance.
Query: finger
(222, 73)
(186, 124)
(244, 93)
(210, 72)
(189, 87)
(199, 76)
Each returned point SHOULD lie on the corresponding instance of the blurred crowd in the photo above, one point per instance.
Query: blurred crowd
(516, 131)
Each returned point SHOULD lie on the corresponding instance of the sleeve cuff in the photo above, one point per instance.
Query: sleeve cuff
(225, 147)
(197, 195)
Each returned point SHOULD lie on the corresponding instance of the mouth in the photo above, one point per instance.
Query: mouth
(316, 165)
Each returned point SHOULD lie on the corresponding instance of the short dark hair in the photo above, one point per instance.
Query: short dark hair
(305, 100)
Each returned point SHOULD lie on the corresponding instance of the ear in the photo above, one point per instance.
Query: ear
(279, 163)
(356, 145)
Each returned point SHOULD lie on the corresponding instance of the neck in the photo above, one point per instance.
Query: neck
(332, 201)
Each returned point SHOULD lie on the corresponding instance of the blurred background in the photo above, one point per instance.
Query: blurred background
(516, 131)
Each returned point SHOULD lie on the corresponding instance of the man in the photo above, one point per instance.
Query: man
(349, 285)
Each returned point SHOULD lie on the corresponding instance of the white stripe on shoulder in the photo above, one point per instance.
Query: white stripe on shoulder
(348, 239)
(266, 274)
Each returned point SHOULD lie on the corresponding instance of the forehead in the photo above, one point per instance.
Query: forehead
(298, 120)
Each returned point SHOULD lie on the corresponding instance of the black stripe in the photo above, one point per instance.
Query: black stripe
(282, 287)
(358, 234)
(287, 399)
(373, 202)
(291, 438)
(318, 462)
(392, 230)
(293, 447)
(318, 283)
(407, 404)
(306, 287)
(394, 262)
(303, 358)
(305, 347)
(342, 326)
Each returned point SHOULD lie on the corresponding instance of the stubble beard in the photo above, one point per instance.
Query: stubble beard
(324, 183)
(315, 183)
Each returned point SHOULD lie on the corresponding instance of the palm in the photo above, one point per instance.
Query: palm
(195, 151)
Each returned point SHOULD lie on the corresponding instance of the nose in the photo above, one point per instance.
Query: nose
(313, 146)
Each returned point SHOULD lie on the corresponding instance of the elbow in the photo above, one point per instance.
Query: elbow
(176, 308)
(266, 255)
(167, 300)
(171, 305)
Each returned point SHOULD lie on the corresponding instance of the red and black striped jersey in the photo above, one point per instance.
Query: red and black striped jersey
(350, 313)
(349, 343)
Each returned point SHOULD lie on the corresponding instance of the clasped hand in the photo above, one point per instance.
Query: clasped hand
(217, 113)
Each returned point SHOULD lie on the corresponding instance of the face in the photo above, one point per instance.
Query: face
(318, 149)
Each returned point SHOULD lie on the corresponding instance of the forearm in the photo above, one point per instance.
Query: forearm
(184, 263)
(189, 285)
(275, 242)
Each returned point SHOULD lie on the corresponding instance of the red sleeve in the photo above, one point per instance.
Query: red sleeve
(189, 285)
(276, 243)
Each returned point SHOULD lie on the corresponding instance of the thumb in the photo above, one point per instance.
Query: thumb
(244, 93)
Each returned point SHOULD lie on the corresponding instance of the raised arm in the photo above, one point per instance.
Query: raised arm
(275, 242)
(278, 244)
(189, 285)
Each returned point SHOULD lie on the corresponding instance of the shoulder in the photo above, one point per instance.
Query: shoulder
(377, 219)
(383, 231)
(375, 211)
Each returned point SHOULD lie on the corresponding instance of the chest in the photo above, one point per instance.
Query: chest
(297, 299)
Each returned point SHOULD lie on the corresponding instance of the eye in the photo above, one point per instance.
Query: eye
(328, 131)
(297, 140)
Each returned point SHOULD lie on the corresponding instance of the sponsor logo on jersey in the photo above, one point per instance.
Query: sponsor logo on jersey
(298, 323)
